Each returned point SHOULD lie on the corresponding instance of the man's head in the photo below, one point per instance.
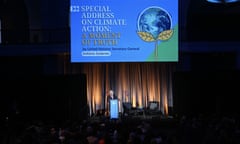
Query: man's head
(111, 92)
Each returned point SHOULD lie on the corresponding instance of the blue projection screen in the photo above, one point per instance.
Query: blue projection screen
(124, 31)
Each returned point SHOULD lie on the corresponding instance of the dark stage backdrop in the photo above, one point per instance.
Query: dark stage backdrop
(48, 97)
(137, 83)
(208, 93)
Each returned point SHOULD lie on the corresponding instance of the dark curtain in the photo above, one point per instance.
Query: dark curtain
(14, 21)
(137, 83)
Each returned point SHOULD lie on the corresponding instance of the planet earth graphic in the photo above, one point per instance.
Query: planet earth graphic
(154, 20)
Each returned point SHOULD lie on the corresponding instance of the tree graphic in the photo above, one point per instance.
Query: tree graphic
(163, 36)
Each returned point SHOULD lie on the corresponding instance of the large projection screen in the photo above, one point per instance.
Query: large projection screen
(124, 31)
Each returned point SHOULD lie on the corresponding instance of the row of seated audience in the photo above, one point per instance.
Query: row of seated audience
(179, 130)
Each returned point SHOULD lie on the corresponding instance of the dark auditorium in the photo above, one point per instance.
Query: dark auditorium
(115, 72)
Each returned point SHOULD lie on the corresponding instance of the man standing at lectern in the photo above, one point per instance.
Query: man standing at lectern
(110, 96)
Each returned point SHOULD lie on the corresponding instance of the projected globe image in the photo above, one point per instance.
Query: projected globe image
(154, 20)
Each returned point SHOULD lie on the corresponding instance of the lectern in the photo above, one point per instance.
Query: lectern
(114, 109)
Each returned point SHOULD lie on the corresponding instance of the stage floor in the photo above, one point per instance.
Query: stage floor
(141, 117)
